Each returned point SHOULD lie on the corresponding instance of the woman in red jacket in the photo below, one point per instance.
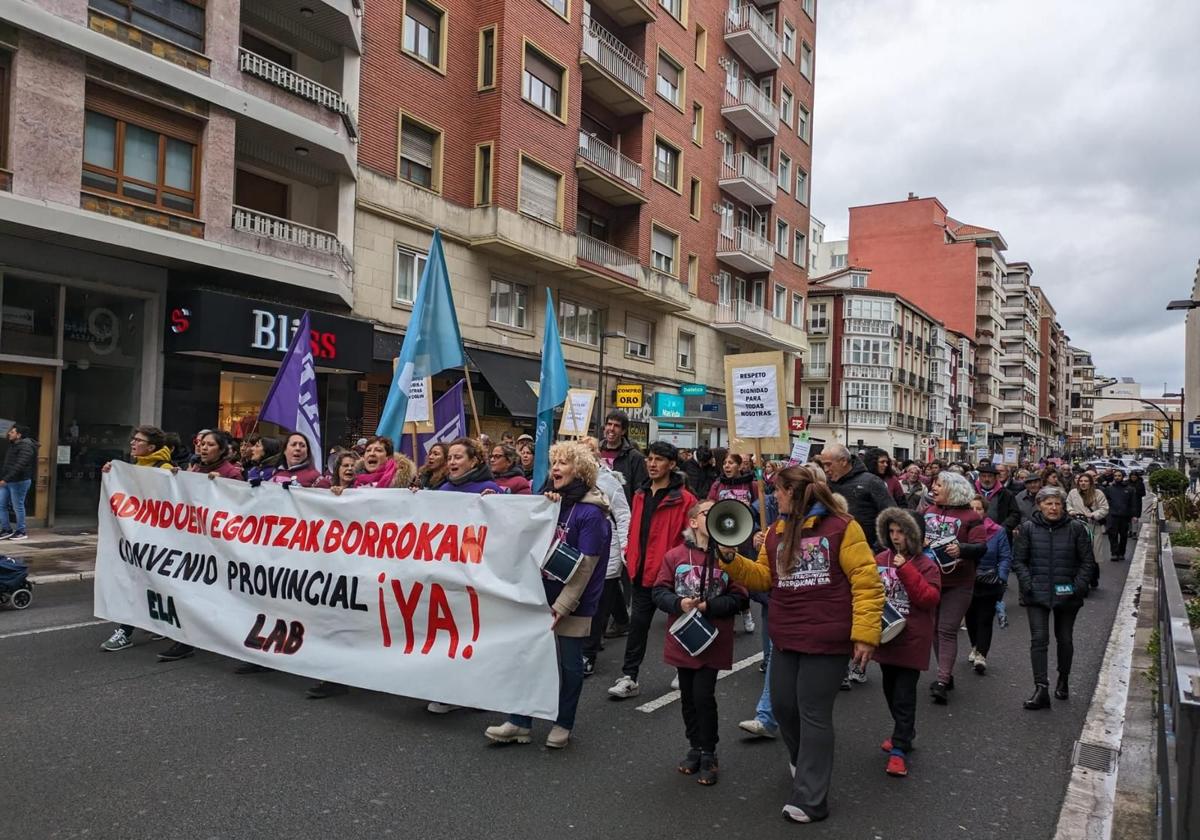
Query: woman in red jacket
(912, 584)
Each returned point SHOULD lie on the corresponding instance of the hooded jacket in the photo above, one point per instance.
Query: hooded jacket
(966, 527)
(514, 482)
(224, 468)
(1122, 500)
(914, 590)
(20, 460)
(740, 487)
(997, 558)
(683, 570)
(609, 483)
(1049, 554)
(630, 463)
(1001, 505)
(866, 496)
(159, 459)
(667, 510)
(588, 529)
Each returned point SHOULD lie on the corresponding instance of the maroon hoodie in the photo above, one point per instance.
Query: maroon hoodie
(679, 577)
(967, 527)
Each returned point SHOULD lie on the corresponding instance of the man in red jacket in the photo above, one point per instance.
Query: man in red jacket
(656, 526)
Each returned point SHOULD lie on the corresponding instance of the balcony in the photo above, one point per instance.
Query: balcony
(753, 38)
(608, 174)
(255, 65)
(746, 320)
(868, 419)
(666, 289)
(881, 373)
(868, 326)
(816, 371)
(751, 111)
(289, 232)
(613, 74)
(818, 327)
(745, 250)
(632, 279)
(627, 12)
(748, 181)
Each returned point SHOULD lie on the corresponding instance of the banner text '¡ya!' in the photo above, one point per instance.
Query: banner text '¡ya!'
(427, 541)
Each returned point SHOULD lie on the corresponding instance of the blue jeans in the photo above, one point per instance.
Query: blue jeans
(570, 683)
(14, 492)
(762, 712)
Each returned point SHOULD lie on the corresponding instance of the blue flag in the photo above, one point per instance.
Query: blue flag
(292, 400)
(431, 344)
(552, 392)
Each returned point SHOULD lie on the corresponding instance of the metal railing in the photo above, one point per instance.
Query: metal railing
(749, 94)
(747, 242)
(285, 230)
(747, 18)
(748, 167)
(605, 157)
(868, 326)
(304, 87)
(1178, 718)
(617, 59)
(593, 250)
(745, 313)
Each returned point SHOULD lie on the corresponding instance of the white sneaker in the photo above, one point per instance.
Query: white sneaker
(794, 814)
(117, 641)
(980, 664)
(558, 737)
(855, 675)
(441, 708)
(675, 682)
(971, 656)
(625, 687)
(748, 622)
(756, 728)
(507, 733)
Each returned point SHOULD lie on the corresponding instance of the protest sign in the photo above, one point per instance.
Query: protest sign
(755, 385)
(577, 413)
(430, 595)
(801, 449)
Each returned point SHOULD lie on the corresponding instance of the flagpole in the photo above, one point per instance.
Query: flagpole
(416, 457)
(471, 397)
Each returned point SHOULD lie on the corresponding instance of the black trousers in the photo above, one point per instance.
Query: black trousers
(981, 615)
(1118, 536)
(620, 607)
(641, 613)
(610, 597)
(900, 690)
(698, 698)
(1039, 639)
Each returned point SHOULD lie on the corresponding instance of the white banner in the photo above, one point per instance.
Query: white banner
(431, 595)
(756, 402)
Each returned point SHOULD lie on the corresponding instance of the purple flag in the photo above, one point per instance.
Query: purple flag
(449, 422)
(292, 400)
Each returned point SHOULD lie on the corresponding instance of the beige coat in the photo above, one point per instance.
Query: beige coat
(1095, 520)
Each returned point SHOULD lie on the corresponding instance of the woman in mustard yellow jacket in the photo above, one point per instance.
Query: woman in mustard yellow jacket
(826, 605)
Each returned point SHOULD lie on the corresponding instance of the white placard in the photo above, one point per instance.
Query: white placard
(1010, 455)
(801, 450)
(577, 412)
(756, 402)
(420, 408)
(62, 456)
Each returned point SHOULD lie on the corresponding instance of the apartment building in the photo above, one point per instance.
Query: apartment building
(1081, 399)
(177, 181)
(647, 161)
(1053, 379)
(1143, 433)
(1020, 360)
(875, 362)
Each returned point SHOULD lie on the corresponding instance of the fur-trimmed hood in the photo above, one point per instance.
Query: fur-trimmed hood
(914, 538)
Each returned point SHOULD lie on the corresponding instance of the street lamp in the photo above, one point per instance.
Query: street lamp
(603, 408)
(861, 398)
(1182, 448)
(1170, 426)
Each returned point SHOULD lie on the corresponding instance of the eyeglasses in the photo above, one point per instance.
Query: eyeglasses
(138, 440)
(495, 455)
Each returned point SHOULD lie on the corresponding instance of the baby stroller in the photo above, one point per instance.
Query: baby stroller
(15, 587)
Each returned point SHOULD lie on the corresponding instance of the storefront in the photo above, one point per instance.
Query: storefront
(689, 421)
(222, 352)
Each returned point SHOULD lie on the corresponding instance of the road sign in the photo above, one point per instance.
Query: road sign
(710, 406)
(1194, 434)
(629, 396)
(797, 424)
(668, 405)
(693, 389)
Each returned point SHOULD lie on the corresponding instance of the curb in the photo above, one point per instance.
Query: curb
(65, 577)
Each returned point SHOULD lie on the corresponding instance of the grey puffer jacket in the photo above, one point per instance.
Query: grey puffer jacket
(1048, 554)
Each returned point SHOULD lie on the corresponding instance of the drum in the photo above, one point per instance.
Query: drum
(694, 632)
(945, 562)
(561, 561)
(893, 623)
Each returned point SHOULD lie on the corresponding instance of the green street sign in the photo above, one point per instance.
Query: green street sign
(693, 390)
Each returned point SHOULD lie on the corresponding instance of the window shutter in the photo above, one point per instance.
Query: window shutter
(638, 331)
(417, 144)
(668, 71)
(549, 73)
(539, 192)
(108, 101)
(423, 14)
(663, 243)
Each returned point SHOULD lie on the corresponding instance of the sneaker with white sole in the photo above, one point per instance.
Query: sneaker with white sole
(625, 687)
(18, 536)
(980, 664)
(971, 656)
(558, 737)
(856, 675)
(675, 682)
(748, 622)
(7, 534)
(793, 814)
(507, 733)
(117, 641)
(437, 708)
(756, 728)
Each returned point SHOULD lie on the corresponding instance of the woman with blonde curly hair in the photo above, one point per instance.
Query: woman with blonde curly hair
(583, 524)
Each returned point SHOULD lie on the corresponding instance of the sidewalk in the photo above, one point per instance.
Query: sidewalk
(54, 557)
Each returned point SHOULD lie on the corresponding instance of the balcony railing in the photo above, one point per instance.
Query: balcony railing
(879, 372)
(747, 18)
(869, 326)
(746, 242)
(605, 157)
(622, 63)
(304, 87)
(751, 95)
(743, 312)
(748, 167)
(817, 371)
(600, 253)
(285, 230)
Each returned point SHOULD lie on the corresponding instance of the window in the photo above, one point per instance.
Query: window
(420, 154)
(669, 80)
(779, 303)
(637, 337)
(810, 8)
(797, 309)
(483, 174)
(140, 153)
(579, 323)
(267, 50)
(410, 265)
(784, 176)
(701, 46)
(181, 21)
(800, 248)
(694, 199)
(816, 400)
(818, 355)
(858, 281)
(540, 192)
(869, 351)
(424, 29)
(806, 61)
(509, 304)
(589, 224)
(818, 315)
(673, 7)
(837, 260)
(542, 82)
(697, 123)
(727, 150)
(868, 396)
(686, 348)
(664, 250)
(4, 74)
(802, 123)
(782, 237)
(785, 106)
(559, 6)
(801, 186)
(487, 58)
(693, 273)
(789, 40)
(666, 164)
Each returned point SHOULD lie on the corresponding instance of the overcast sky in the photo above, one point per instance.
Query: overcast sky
(1071, 127)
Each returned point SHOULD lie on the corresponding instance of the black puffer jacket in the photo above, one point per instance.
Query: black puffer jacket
(1122, 500)
(1047, 554)
(866, 495)
(631, 464)
(20, 461)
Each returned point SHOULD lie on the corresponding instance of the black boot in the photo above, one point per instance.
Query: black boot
(1040, 698)
(1060, 690)
(938, 690)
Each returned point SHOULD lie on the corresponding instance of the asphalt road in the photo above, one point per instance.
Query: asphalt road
(103, 745)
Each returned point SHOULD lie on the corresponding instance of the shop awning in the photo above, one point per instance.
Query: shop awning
(513, 378)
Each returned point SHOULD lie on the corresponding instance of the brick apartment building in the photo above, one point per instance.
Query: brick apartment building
(647, 161)
(1082, 400)
(153, 155)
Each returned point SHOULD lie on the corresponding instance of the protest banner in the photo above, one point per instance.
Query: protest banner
(430, 595)
(577, 413)
(757, 410)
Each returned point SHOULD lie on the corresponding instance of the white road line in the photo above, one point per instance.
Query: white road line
(671, 696)
(53, 629)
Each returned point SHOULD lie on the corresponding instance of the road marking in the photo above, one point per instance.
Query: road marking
(671, 696)
(53, 629)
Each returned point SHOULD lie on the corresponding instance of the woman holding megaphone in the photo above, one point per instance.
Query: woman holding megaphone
(826, 605)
